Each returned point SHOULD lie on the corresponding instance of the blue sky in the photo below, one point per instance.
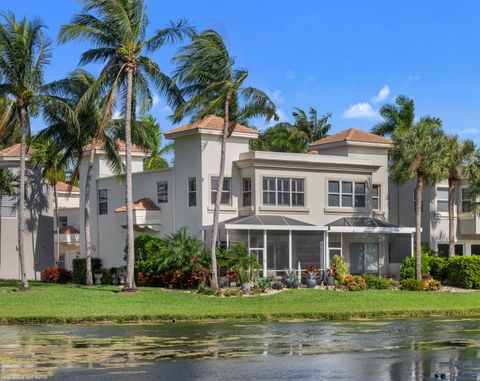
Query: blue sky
(343, 57)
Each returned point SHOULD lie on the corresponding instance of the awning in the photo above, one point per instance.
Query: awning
(269, 222)
(366, 225)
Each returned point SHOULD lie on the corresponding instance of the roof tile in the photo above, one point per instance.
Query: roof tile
(142, 204)
(211, 122)
(352, 135)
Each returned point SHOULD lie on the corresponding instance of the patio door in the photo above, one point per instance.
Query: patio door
(364, 258)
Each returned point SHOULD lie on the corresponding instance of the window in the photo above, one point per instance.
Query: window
(475, 249)
(63, 221)
(247, 192)
(8, 205)
(466, 201)
(283, 191)
(442, 199)
(226, 198)
(334, 248)
(442, 249)
(102, 201)
(162, 191)
(346, 194)
(376, 197)
(192, 191)
(364, 258)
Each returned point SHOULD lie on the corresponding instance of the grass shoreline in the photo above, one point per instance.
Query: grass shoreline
(72, 304)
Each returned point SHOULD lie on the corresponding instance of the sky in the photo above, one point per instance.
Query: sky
(344, 57)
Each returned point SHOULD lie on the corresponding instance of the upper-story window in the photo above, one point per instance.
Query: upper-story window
(103, 201)
(8, 206)
(226, 198)
(466, 201)
(376, 197)
(283, 191)
(247, 191)
(346, 194)
(192, 191)
(162, 191)
(63, 221)
(442, 199)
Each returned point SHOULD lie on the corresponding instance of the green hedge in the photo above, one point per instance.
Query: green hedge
(79, 273)
(407, 269)
(463, 271)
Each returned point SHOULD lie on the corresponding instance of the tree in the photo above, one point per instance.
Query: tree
(156, 158)
(205, 72)
(48, 156)
(417, 153)
(398, 115)
(117, 31)
(283, 137)
(7, 188)
(456, 156)
(24, 53)
(312, 127)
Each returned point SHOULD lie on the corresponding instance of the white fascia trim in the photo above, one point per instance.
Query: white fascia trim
(349, 143)
(269, 227)
(363, 229)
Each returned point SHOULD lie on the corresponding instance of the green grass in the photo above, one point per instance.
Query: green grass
(74, 304)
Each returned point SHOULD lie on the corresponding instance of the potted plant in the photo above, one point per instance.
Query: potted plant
(295, 280)
(288, 277)
(245, 280)
(311, 279)
(98, 278)
(331, 275)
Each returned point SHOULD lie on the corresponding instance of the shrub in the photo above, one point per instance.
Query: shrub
(79, 273)
(407, 269)
(188, 280)
(151, 260)
(431, 285)
(355, 282)
(340, 268)
(204, 290)
(238, 258)
(411, 284)
(377, 283)
(437, 268)
(229, 292)
(463, 271)
(277, 285)
(264, 283)
(56, 275)
(107, 276)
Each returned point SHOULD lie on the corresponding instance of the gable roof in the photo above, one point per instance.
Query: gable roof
(120, 143)
(64, 187)
(212, 123)
(13, 151)
(68, 230)
(352, 135)
(142, 204)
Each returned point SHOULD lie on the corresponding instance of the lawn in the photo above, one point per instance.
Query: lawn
(71, 303)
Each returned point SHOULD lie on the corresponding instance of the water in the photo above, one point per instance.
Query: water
(426, 349)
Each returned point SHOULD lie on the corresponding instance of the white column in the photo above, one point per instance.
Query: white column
(326, 254)
(412, 244)
(290, 265)
(227, 238)
(264, 253)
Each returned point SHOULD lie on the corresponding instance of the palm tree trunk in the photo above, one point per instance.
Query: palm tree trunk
(129, 281)
(218, 197)
(451, 221)
(418, 226)
(1, 200)
(25, 123)
(86, 214)
(57, 251)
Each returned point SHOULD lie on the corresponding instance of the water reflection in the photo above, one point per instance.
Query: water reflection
(365, 350)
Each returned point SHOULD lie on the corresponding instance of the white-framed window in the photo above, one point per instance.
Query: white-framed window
(247, 191)
(466, 202)
(192, 191)
(283, 191)
(226, 198)
(103, 201)
(442, 249)
(8, 205)
(346, 194)
(334, 248)
(162, 191)
(62, 221)
(442, 199)
(376, 192)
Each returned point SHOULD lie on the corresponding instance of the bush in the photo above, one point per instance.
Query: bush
(437, 268)
(411, 284)
(407, 269)
(107, 276)
(151, 260)
(56, 275)
(431, 285)
(264, 283)
(79, 273)
(463, 271)
(204, 290)
(229, 292)
(377, 283)
(340, 268)
(355, 282)
(238, 258)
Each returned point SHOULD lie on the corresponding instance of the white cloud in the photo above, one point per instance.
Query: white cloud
(360, 110)
(276, 97)
(469, 131)
(383, 93)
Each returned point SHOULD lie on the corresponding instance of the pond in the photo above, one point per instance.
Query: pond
(423, 349)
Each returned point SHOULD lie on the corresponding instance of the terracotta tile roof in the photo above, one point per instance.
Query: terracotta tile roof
(68, 230)
(121, 146)
(13, 151)
(211, 122)
(64, 187)
(352, 135)
(142, 204)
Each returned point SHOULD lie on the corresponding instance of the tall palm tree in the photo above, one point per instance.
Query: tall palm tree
(117, 31)
(24, 53)
(417, 153)
(206, 74)
(457, 155)
(156, 158)
(311, 125)
(283, 137)
(7, 188)
(48, 156)
(398, 115)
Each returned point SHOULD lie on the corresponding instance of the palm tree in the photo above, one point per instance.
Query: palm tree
(456, 156)
(117, 31)
(7, 188)
(313, 127)
(205, 72)
(24, 53)
(417, 153)
(156, 158)
(49, 157)
(283, 137)
(398, 115)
